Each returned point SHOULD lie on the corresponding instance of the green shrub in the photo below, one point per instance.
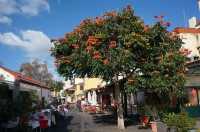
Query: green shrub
(182, 122)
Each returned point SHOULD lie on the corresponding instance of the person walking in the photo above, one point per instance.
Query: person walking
(78, 105)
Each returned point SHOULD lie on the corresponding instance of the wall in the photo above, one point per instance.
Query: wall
(92, 83)
(46, 93)
(28, 87)
(78, 93)
(41, 92)
(7, 76)
(191, 42)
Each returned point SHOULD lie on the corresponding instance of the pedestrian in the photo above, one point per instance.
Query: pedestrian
(78, 105)
(65, 110)
(83, 104)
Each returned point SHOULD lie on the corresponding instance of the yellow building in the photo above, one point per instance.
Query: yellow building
(93, 83)
(95, 91)
(82, 86)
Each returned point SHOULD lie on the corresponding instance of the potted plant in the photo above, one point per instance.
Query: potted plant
(179, 122)
(144, 118)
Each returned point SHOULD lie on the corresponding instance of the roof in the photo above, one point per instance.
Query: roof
(191, 63)
(186, 30)
(25, 79)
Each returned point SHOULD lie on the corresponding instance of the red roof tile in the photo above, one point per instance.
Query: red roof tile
(25, 79)
(186, 30)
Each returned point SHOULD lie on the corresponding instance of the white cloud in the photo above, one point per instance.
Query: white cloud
(32, 7)
(27, 7)
(35, 43)
(8, 7)
(5, 20)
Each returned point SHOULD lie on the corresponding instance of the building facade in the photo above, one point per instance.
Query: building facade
(191, 37)
(18, 82)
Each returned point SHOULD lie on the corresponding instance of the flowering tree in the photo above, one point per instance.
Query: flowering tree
(118, 44)
(160, 63)
(99, 47)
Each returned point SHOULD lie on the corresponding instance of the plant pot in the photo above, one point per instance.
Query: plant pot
(158, 126)
(144, 120)
(154, 126)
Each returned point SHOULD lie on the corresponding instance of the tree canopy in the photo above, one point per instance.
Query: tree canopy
(100, 47)
(160, 62)
(57, 86)
(118, 43)
(38, 71)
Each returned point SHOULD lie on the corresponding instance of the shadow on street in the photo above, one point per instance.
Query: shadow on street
(62, 124)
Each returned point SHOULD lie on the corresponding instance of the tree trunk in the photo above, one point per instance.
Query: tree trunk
(118, 99)
(125, 105)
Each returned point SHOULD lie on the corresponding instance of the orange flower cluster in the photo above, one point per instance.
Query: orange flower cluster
(111, 14)
(59, 61)
(75, 46)
(86, 21)
(146, 27)
(113, 44)
(88, 48)
(92, 40)
(105, 61)
(96, 55)
(99, 21)
(77, 30)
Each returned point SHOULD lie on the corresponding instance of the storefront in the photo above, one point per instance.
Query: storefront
(102, 97)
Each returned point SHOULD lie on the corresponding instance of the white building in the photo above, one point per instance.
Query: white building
(23, 83)
(191, 37)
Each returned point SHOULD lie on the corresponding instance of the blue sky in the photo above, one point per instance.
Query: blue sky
(26, 26)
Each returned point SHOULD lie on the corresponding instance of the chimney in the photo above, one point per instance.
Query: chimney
(192, 22)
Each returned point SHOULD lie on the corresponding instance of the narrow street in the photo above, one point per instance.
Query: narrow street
(84, 122)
